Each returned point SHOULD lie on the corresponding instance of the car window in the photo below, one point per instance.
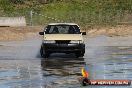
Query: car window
(62, 29)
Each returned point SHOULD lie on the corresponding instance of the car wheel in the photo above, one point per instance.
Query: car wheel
(46, 55)
(82, 54)
(43, 53)
(79, 54)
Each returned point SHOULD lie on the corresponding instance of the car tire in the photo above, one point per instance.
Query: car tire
(43, 53)
(79, 54)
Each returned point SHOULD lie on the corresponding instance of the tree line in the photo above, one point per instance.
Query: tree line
(40, 1)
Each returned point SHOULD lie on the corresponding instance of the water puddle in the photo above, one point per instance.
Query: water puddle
(21, 67)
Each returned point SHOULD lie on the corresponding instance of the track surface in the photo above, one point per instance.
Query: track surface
(22, 67)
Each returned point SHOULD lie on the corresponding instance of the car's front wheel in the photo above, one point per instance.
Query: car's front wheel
(79, 54)
(43, 53)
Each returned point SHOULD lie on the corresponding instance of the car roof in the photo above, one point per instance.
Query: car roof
(62, 24)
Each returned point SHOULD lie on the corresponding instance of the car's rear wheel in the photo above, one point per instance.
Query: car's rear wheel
(43, 53)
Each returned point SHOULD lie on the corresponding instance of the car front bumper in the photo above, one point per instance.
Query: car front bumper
(64, 48)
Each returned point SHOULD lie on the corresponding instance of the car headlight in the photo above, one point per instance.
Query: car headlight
(76, 41)
(49, 41)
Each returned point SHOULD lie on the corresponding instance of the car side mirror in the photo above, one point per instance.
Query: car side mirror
(41, 33)
(83, 33)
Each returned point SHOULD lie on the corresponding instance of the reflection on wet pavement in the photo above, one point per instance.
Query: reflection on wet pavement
(62, 67)
(21, 66)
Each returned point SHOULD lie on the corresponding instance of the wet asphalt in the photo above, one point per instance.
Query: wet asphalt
(22, 67)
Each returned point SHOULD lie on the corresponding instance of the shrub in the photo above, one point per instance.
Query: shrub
(17, 1)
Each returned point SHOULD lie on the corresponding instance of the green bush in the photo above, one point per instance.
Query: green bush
(17, 1)
(83, 12)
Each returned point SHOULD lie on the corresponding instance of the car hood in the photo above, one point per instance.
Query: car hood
(63, 37)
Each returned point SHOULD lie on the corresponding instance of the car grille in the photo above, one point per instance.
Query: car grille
(62, 41)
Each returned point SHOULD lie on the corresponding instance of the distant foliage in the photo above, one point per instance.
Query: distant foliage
(45, 1)
(40, 1)
(79, 11)
(17, 1)
(48, 1)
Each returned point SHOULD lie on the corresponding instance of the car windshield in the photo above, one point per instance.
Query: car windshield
(62, 29)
